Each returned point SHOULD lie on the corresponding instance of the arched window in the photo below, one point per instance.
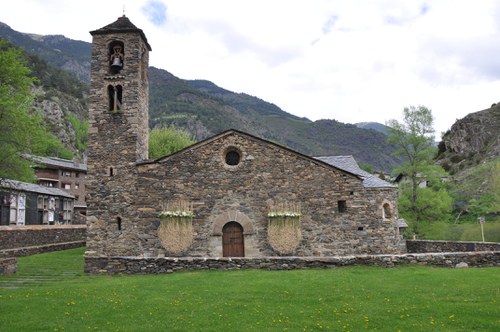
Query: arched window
(115, 97)
(386, 211)
(232, 158)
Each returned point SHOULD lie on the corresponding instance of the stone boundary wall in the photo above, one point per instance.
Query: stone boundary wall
(428, 246)
(14, 237)
(8, 265)
(141, 265)
(27, 251)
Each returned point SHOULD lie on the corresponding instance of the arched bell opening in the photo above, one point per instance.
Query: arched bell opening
(116, 56)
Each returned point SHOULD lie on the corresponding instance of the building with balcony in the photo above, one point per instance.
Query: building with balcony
(67, 175)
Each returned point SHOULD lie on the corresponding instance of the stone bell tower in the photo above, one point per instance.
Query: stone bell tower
(118, 127)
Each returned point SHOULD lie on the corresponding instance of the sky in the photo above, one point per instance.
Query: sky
(347, 60)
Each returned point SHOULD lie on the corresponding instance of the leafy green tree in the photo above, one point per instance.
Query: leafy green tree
(414, 137)
(15, 122)
(81, 130)
(430, 205)
(164, 141)
(489, 201)
(21, 129)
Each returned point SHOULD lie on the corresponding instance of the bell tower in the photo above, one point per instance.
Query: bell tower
(118, 126)
(119, 94)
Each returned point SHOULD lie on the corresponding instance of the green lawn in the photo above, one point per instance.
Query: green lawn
(51, 293)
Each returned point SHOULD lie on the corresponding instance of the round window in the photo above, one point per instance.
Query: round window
(232, 158)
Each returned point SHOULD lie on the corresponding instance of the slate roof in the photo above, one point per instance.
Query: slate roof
(58, 163)
(347, 163)
(30, 187)
(402, 223)
(121, 25)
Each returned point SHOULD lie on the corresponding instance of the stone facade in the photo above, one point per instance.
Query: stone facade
(118, 121)
(232, 179)
(267, 174)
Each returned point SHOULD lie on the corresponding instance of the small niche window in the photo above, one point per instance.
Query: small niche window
(111, 171)
(360, 228)
(233, 157)
(119, 223)
(115, 97)
(342, 206)
(386, 211)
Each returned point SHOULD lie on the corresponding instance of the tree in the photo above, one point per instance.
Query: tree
(21, 129)
(15, 122)
(165, 141)
(489, 201)
(414, 138)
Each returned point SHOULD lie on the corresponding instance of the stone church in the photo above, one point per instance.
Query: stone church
(232, 195)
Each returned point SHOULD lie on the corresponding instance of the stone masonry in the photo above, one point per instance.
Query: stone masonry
(231, 179)
(267, 173)
(136, 265)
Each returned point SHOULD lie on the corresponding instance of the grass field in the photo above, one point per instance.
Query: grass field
(51, 293)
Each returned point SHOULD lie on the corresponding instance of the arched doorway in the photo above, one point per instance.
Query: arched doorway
(232, 240)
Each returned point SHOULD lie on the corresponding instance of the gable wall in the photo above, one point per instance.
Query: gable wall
(267, 174)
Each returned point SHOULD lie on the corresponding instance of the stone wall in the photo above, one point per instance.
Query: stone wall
(15, 237)
(424, 246)
(27, 251)
(267, 174)
(8, 265)
(117, 139)
(136, 265)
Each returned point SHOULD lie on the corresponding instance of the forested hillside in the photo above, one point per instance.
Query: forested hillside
(198, 106)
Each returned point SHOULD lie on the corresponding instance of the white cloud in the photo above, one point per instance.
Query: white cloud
(353, 61)
(156, 12)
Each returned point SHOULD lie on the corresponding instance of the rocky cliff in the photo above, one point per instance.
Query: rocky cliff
(470, 152)
(471, 140)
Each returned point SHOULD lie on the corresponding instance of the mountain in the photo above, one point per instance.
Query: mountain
(473, 139)
(373, 125)
(470, 152)
(57, 50)
(204, 109)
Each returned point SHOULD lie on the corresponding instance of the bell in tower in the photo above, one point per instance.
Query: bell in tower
(116, 59)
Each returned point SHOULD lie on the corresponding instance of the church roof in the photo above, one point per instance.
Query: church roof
(121, 25)
(348, 163)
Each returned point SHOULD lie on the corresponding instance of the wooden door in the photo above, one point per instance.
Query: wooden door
(4, 208)
(232, 240)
